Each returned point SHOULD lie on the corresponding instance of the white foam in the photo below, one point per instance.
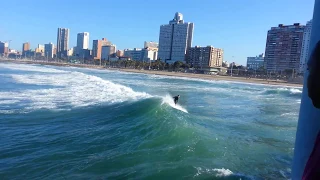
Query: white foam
(218, 172)
(8, 102)
(289, 114)
(169, 101)
(296, 91)
(68, 89)
(223, 172)
(292, 90)
(33, 68)
(7, 111)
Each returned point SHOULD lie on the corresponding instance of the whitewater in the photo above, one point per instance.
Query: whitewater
(77, 123)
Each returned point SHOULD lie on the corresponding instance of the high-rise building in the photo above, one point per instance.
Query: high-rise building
(254, 63)
(62, 42)
(97, 46)
(82, 42)
(204, 57)
(108, 51)
(25, 47)
(283, 47)
(153, 45)
(4, 48)
(49, 50)
(174, 39)
(305, 46)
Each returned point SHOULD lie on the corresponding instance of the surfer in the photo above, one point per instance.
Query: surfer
(176, 98)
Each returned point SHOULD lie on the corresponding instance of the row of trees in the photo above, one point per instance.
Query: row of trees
(157, 65)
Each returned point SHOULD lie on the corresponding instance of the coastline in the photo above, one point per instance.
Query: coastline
(165, 73)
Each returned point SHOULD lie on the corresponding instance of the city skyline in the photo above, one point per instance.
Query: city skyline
(225, 25)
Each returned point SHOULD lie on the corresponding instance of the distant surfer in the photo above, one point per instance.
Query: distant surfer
(176, 99)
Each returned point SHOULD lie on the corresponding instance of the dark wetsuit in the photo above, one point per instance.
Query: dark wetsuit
(176, 98)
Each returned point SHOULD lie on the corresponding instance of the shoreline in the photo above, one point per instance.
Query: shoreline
(165, 73)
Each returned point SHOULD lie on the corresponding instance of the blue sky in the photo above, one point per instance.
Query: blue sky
(238, 26)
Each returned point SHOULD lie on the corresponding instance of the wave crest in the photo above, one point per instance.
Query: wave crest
(66, 90)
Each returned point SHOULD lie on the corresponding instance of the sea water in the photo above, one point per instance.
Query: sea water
(76, 123)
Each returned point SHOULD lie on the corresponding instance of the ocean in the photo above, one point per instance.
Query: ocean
(78, 123)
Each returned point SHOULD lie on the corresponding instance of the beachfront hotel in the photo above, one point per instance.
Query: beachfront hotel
(205, 58)
(174, 39)
(283, 47)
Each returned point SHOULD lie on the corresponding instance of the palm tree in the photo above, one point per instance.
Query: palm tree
(177, 65)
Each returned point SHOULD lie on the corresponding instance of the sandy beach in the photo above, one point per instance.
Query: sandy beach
(166, 73)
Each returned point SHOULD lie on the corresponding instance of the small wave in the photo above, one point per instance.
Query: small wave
(7, 112)
(289, 114)
(8, 102)
(284, 91)
(221, 173)
(296, 91)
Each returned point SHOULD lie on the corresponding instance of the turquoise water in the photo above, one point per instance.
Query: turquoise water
(73, 123)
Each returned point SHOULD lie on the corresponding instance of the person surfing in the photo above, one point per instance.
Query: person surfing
(176, 99)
